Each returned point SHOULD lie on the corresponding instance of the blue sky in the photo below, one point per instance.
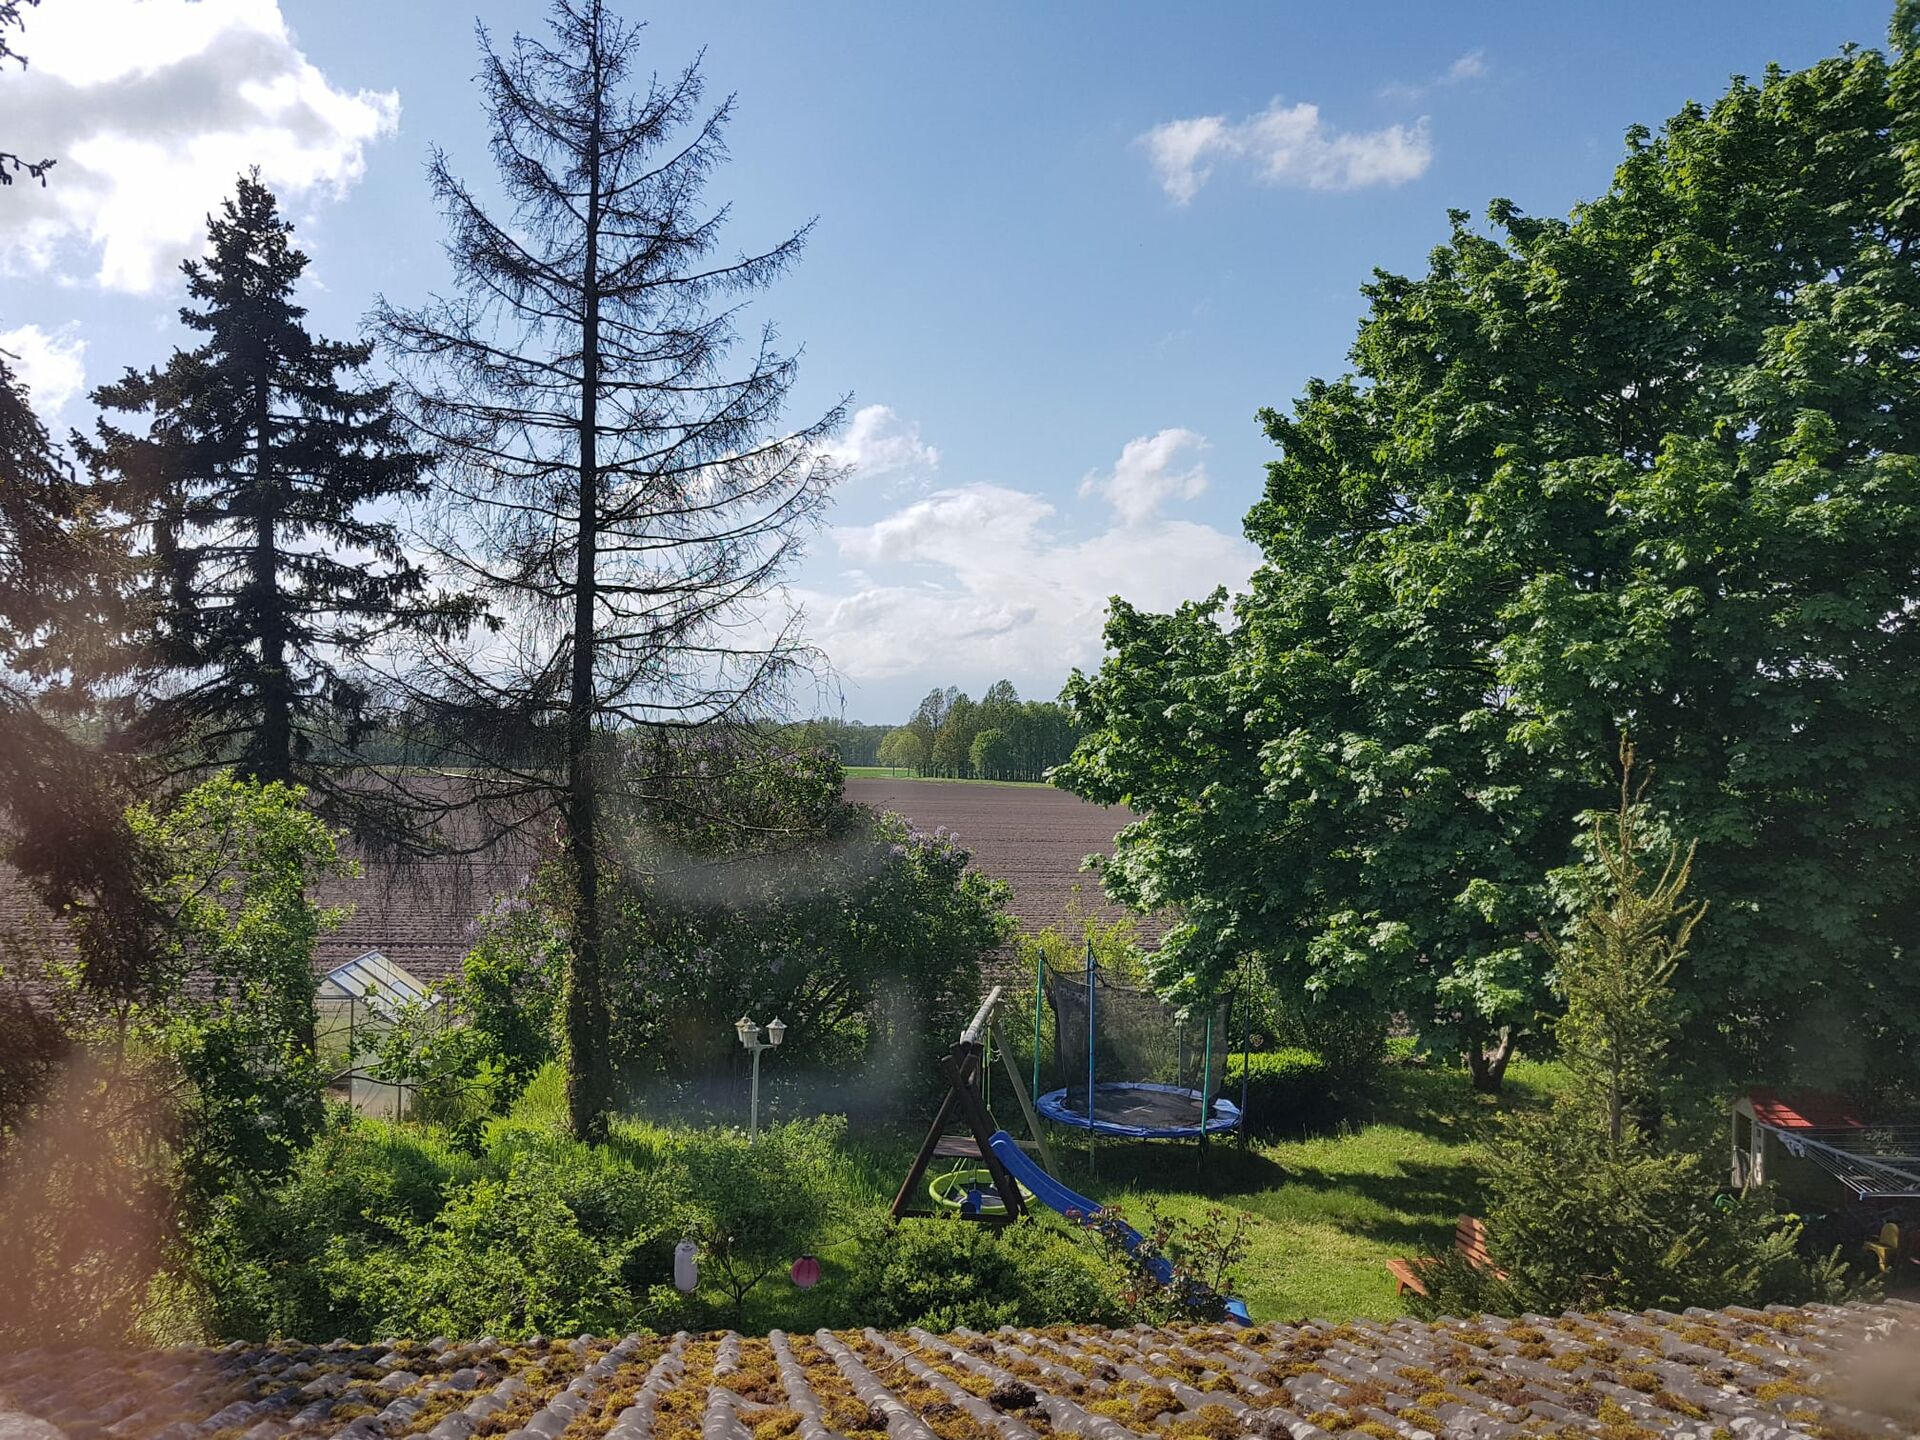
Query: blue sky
(1064, 251)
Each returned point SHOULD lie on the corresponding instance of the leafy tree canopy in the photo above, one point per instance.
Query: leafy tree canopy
(235, 1010)
(1651, 468)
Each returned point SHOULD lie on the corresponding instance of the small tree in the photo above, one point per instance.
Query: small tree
(756, 1208)
(1616, 969)
(1598, 1201)
(903, 749)
(470, 1052)
(237, 1012)
(1178, 1269)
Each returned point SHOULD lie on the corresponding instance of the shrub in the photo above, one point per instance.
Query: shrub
(1577, 1225)
(756, 1208)
(1287, 1091)
(287, 1261)
(948, 1272)
(1176, 1269)
(509, 984)
(467, 1054)
(547, 1246)
(385, 1229)
(864, 935)
(232, 1000)
(543, 1100)
(1350, 1038)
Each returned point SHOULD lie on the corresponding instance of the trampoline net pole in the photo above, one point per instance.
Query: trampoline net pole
(1206, 1080)
(1246, 1058)
(1093, 1031)
(1039, 999)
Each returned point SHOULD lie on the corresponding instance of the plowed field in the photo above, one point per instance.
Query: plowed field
(1032, 836)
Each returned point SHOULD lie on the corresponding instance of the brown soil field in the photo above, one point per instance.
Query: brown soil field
(1032, 836)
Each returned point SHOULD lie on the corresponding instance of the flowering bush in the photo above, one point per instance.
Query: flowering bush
(866, 939)
(1199, 1258)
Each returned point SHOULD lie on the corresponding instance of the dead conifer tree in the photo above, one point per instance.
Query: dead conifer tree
(621, 484)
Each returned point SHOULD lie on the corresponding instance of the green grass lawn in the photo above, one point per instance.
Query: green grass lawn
(1328, 1210)
(886, 772)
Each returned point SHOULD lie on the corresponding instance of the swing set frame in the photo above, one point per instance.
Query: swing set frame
(966, 1065)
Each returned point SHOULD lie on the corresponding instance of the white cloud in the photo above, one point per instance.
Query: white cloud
(1286, 145)
(1468, 67)
(1181, 149)
(1149, 473)
(52, 367)
(978, 581)
(940, 528)
(151, 108)
(878, 443)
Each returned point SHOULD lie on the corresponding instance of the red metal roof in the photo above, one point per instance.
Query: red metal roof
(1803, 1110)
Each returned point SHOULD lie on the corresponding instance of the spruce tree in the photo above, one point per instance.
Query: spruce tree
(1608, 1197)
(1616, 968)
(250, 486)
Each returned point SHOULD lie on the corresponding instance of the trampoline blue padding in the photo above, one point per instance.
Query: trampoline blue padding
(1139, 1110)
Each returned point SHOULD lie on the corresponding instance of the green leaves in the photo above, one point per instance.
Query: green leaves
(1648, 468)
(235, 1002)
(755, 1208)
(243, 492)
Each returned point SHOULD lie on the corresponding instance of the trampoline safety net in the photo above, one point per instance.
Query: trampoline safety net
(1129, 1062)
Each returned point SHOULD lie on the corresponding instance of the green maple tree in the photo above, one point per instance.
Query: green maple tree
(1655, 466)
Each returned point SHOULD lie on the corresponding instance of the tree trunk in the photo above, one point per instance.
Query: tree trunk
(589, 1071)
(272, 749)
(1489, 1068)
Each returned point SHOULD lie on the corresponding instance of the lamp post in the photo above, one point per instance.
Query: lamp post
(749, 1034)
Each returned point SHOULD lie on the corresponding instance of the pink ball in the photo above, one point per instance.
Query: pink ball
(806, 1272)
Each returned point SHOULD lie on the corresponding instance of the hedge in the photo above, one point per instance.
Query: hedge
(1287, 1091)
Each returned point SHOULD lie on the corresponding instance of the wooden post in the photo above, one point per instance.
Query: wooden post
(903, 1203)
(1026, 1105)
(961, 1070)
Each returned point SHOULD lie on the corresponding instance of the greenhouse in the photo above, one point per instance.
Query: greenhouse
(357, 1004)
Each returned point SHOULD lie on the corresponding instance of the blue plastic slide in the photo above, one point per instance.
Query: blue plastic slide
(1071, 1203)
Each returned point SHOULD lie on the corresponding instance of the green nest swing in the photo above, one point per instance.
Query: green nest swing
(966, 1185)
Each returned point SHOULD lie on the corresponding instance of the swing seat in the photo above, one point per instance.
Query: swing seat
(970, 1190)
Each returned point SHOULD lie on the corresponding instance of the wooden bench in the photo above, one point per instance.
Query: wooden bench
(1469, 1238)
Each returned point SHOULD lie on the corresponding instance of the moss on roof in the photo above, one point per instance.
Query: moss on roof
(1836, 1373)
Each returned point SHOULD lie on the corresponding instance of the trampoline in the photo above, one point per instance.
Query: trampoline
(1140, 1111)
(1127, 1064)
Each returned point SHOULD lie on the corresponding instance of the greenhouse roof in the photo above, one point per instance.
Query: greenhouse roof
(374, 978)
(1813, 1371)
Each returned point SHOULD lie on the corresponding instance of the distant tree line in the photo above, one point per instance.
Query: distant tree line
(997, 737)
(853, 741)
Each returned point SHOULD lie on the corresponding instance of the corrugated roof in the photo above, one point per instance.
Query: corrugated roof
(1817, 1371)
